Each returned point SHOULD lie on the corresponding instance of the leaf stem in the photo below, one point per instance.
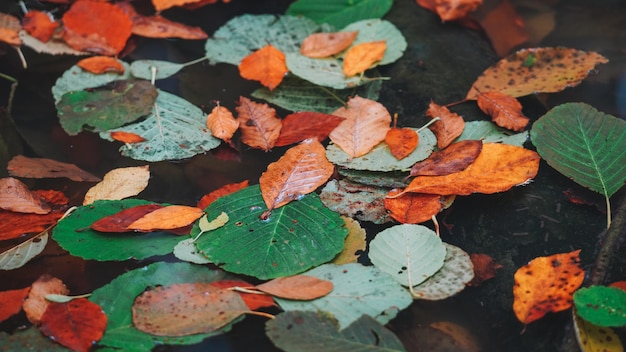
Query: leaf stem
(428, 124)
(192, 62)
(333, 95)
(247, 290)
(254, 312)
(8, 78)
(608, 211)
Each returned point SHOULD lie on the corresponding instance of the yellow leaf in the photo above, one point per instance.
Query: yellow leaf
(119, 184)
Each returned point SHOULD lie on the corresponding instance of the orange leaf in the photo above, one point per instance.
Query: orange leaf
(258, 124)
(222, 123)
(319, 45)
(21, 166)
(504, 110)
(619, 284)
(484, 268)
(13, 225)
(252, 300)
(9, 29)
(36, 303)
(297, 287)
(101, 64)
(120, 221)
(450, 10)
(76, 324)
(412, 208)
(16, 196)
(497, 168)
(161, 5)
(454, 158)
(267, 65)
(11, 302)
(158, 26)
(366, 124)
(167, 218)
(449, 126)
(299, 171)
(302, 125)
(105, 33)
(401, 141)
(546, 284)
(504, 27)
(207, 199)
(362, 56)
(127, 137)
(39, 25)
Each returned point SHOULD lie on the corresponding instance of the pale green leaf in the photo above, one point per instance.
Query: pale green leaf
(163, 69)
(75, 79)
(186, 251)
(21, 254)
(451, 279)
(489, 132)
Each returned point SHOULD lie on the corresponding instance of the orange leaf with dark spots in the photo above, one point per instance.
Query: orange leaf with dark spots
(101, 64)
(127, 137)
(302, 125)
(266, 65)
(362, 56)
(36, 303)
(504, 110)
(485, 268)
(454, 158)
(252, 300)
(546, 284)
(167, 218)
(11, 302)
(158, 26)
(9, 29)
(39, 25)
(412, 208)
(207, 199)
(449, 126)
(318, 45)
(222, 123)
(258, 124)
(401, 141)
(119, 221)
(76, 324)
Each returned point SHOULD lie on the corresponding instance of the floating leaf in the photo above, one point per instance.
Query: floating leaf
(119, 184)
(21, 254)
(451, 10)
(157, 69)
(253, 301)
(186, 251)
(365, 203)
(36, 303)
(54, 46)
(401, 141)
(222, 123)
(449, 126)
(9, 28)
(101, 64)
(266, 65)
(16, 197)
(318, 45)
(299, 126)
(362, 56)
(166, 218)
(546, 284)
(158, 26)
(484, 268)
(39, 25)
(488, 132)
(451, 279)
(453, 158)
(11, 302)
(258, 124)
(209, 198)
(412, 208)
(75, 79)
(298, 287)
(593, 338)
(339, 14)
(21, 166)
(126, 137)
(354, 244)
(504, 110)
(119, 221)
(76, 324)
(601, 305)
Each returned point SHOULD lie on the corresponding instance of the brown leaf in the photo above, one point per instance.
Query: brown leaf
(9, 29)
(401, 141)
(14, 225)
(158, 26)
(485, 268)
(362, 56)
(412, 208)
(120, 221)
(504, 110)
(266, 65)
(258, 124)
(222, 123)
(36, 303)
(101, 64)
(252, 300)
(76, 324)
(39, 25)
(454, 158)
(167, 218)
(209, 198)
(366, 124)
(504, 27)
(11, 302)
(449, 126)
(318, 45)
(15, 196)
(119, 184)
(297, 287)
(302, 125)
(21, 166)
(299, 171)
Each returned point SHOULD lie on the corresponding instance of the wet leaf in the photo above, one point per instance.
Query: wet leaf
(101, 64)
(362, 202)
(299, 171)
(147, 69)
(593, 338)
(546, 284)
(258, 124)
(504, 110)
(354, 244)
(36, 303)
(488, 132)
(497, 168)
(266, 65)
(463, 338)
(75, 79)
(11, 302)
(29, 339)
(485, 268)
(21, 254)
(76, 324)
(160, 5)
(9, 28)
(449, 126)
(16, 197)
(222, 123)
(401, 141)
(297, 287)
(619, 284)
(299, 126)
(126, 137)
(13, 225)
(209, 198)
(456, 273)
(339, 14)
(506, 29)
(536, 70)
(119, 184)
(362, 56)
(253, 301)
(54, 46)
(167, 218)
(39, 25)
(601, 305)
(451, 10)
(21, 166)
(158, 26)
(186, 251)
(412, 208)
(120, 221)
(318, 45)
(454, 158)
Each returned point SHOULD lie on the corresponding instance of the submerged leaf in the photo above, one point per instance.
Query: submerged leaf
(21, 166)
(339, 14)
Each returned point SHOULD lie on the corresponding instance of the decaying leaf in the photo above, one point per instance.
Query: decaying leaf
(9, 29)
(354, 244)
(15, 196)
(39, 25)
(361, 56)
(18, 256)
(302, 125)
(594, 338)
(36, 303)
(158, 26)
(326, 44)
(484, 268)
(266, 65)
(76, 324)
(167, 218)
(258, 124)
(21, 166)
(101, 64)
(222, 123)
(355, 200)
(504, 110)
(11, 302)
(450, 10)
(297, 287)
(119, 184)
(401, 141)
(449, 126)
(453, 158)
(412, 208)
(207, 199)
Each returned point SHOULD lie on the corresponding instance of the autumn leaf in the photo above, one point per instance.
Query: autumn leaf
(16, 196)
(158, 26)
(449, 126)
(253, 301)
(76, 324)
(361, 56)
(222, 123)
(299, 126)
(11, 302)
(450, 10)
(101, 64)
(497, 168)
(505, 28)
(119, 184)
(504, 110)
(365, 125)
(39, 25)
(412, 208)
(161, 5)
(546, 284)
(21, 166)
(127, 137)
(485, 268)
(119, 221)
(401, 141)
(453, 158)
(167, 218)
(258, 124)
(9, 29)
(36, 303)
(354, 244)
(13, 225)
(297, 287)
(318, 45)
(266, 65)
(536, 70)
(299, 171)
(209, 198)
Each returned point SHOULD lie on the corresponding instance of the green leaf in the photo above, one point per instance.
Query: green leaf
(601, 305)
(409, 253)
(339, 13)
(380, 158)
(583, 144)
(489, 132)
(357, 290)
(30, 339)
(76, 79)
(315, 331)
(296, 237)
(186, 250)
(21, 254)
(106, 107)
(117, 297)
(451, 279)
(164, 69)
(74, 234)
(174, 130)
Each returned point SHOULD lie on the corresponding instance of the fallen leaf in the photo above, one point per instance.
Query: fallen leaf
(504, 27)
(266, 65)
(11, 302)
(354, 244)
(21, 166)
(594, 338)
(497, 168)
(36, 303)
(258, 124)
(158, 26)
(536, 70)
(449, 126)
(9, 29)
(127, 137)
(485, 268)
(209, 198)
(299, 171)
(39, 25)
(167, 218)
(450, 10)
(104, 34)
(15, 196)
(299, 126)
(161, 5)
(252, 300)
(119, 184)
(77, 324)
(504, 110)
(412, 208)
(619, 284)
(546, 284)
(101, 64)
(355, 200)
(14, 225)
(297, 287)
(464, 340)
(205, 225)
(186, 309)
(17, 256)
(453, 158)
(366, 124)
(320, 45)
(362, 56)
(401, 141)
(222, 123)
(120, 221)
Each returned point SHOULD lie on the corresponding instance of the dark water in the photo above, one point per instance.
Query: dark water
(441, 62)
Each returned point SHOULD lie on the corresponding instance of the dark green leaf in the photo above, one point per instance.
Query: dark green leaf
(339, 13)
(601, 305)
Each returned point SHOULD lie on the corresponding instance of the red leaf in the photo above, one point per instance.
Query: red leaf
(13, 225)
(119, 221)
(302, 125)
(11, 302)
(209, 198)
(484, 268)
(76, 324)
(39, 25)
(253, 301)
